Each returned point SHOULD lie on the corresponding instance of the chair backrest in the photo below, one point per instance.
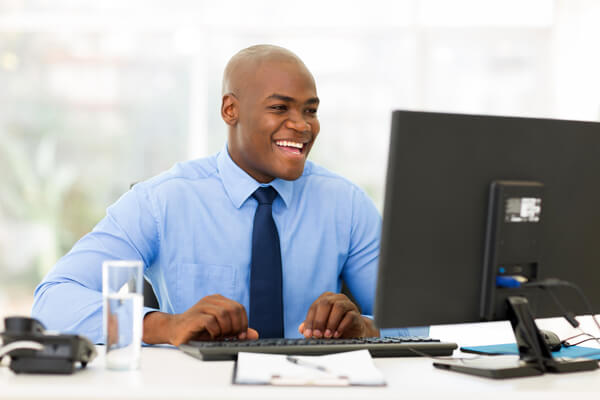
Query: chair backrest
(150, 299)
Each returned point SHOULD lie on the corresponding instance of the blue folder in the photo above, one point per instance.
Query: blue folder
(511, 348)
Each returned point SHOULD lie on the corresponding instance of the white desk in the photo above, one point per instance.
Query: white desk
(167, 373)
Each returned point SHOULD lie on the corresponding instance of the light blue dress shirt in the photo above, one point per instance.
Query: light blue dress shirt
(192, 227)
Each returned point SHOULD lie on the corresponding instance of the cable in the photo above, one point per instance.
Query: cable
(546, 285)
(20, 345)
(569, 316)
(579, 334)
(552, 282)
(595, 352)
(567, 344)
(445, 358)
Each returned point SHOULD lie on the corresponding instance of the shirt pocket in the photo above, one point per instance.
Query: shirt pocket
(195, 281)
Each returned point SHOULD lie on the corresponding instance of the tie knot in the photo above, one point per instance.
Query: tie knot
(265, 195)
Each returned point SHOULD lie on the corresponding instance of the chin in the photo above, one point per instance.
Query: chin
(291, 175)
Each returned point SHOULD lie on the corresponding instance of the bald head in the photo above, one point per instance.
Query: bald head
(242, 67)
(270, 106)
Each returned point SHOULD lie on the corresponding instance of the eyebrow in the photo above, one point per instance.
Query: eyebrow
(276, 96)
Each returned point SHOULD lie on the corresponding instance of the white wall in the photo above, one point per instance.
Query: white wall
(99, 94)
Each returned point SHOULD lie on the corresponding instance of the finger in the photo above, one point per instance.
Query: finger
(193, 327)
(236, 314)
(239, 317)
(308, 321)
(222, 317)
(243, 319)
(338, 311)
(204, 335)
(252, 334)
(301, 328)
(247, 333)
(211, 324)
(349, 325)
(321, 316)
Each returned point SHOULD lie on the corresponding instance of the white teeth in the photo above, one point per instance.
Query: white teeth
(289, 144)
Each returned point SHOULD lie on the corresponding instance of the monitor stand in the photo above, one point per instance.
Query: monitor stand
(534, 356)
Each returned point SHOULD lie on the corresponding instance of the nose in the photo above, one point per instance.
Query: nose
(297, 123)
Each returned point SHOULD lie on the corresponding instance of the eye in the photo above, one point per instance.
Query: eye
(278, 107)
(312, 111)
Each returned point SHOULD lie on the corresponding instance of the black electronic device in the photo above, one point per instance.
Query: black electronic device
(552, 340)
(512, 242)
(378, 347)
(455, 234)
(32, 350)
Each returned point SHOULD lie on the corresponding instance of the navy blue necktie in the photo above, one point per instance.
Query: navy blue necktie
(266, 300)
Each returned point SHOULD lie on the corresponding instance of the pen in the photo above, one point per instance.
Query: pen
(308, 364)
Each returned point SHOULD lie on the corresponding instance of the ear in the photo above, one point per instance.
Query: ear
(230, 109)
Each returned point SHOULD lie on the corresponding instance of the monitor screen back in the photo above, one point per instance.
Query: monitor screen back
(439, 171)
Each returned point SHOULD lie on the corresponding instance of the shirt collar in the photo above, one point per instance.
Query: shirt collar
(239, 185)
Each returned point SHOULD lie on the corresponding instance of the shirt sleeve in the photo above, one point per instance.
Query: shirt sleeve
(69, 298)
(360, 269)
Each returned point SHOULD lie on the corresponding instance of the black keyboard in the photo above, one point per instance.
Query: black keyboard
(378, 347)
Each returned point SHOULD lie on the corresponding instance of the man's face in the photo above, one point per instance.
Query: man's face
(277, 121)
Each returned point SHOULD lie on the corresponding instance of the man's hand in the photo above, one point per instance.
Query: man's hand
(213, 317)
(333, 315)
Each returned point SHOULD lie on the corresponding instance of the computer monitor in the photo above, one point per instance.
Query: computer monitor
(476, 203)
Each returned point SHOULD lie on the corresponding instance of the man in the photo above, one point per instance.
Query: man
(200, 229)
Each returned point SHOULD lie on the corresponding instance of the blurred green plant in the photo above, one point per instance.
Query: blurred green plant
(37, 189)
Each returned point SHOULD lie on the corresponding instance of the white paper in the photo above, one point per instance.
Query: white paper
(353, 367)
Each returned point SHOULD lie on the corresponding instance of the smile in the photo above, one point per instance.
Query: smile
(290, 146)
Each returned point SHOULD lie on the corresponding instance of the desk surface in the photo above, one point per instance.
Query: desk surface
(169, 373)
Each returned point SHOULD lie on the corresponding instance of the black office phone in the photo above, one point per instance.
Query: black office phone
(33, 350)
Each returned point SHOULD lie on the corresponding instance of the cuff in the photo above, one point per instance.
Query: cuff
(147, 310)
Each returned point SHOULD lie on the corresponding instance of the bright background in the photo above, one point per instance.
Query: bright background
(96, 95)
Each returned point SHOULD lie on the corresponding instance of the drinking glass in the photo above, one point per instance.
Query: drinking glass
(123, 301)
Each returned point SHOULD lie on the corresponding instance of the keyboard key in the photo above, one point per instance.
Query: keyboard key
(378, 347)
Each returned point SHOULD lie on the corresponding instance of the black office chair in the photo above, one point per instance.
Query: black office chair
(150, 299)
(347, 292)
